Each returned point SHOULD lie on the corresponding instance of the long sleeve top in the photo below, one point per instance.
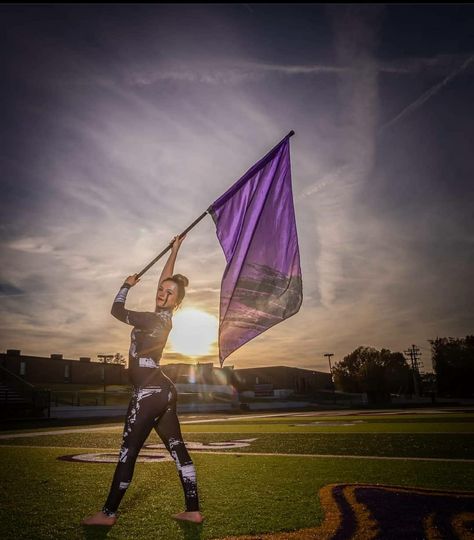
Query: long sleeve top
(148, 339)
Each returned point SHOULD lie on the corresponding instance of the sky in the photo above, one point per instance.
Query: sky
(122, 123)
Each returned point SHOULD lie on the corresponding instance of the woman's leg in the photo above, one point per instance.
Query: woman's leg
(141, 416)
(169, 431)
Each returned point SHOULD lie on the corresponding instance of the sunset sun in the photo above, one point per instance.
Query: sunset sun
(193, 332)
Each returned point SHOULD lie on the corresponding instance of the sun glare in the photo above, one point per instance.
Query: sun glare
(193, 332)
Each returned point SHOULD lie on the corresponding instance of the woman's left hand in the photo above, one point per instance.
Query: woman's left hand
(176, 242)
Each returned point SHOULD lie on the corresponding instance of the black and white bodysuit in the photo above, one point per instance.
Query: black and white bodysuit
(153, 403)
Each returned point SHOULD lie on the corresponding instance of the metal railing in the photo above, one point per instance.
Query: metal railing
(198, 393)
(78, 398)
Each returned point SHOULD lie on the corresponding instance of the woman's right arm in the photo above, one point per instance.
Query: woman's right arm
(134, 318)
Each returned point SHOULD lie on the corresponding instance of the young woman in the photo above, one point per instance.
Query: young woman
(153, 402)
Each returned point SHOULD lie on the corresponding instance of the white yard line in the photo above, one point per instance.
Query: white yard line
(236, 418)
(348, 456)
(58, 432)
(119, 427)
(61, 447)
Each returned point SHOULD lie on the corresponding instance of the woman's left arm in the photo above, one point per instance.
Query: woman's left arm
(168, 269)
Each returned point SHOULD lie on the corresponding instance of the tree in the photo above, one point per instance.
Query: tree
(378, 373)
(119, 359)
(453, 363)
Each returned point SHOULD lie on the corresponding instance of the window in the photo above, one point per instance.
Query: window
(67, 371)
(22, 367)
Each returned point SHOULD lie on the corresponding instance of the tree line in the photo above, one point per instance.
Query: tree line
(382, 373)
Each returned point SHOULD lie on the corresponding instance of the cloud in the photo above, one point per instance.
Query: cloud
(412, 107)
(31, 245)
(137, 134)
(355, 42)
(237, 72)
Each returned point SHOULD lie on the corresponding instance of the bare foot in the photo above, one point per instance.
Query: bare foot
(195, 517)
(100, 519)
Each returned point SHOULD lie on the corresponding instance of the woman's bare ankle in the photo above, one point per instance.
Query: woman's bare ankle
(190, 515)
(100, 518)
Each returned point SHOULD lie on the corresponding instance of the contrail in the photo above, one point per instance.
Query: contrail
(424, 97)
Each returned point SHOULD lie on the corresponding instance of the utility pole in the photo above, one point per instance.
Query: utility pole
(330, 369)
(414, 353)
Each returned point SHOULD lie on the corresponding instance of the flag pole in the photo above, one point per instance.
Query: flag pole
(193, 224)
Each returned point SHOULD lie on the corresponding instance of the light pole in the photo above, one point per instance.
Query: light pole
(105, 358)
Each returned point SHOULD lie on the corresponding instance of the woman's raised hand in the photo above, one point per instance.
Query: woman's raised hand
(176, 242)
(132, 280)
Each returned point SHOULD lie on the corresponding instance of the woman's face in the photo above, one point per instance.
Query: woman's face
(167, 295)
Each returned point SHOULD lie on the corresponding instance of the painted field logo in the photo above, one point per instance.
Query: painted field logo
(109, 457)
(371, 511)
(221, 445)
(153, 457)
(375, 512)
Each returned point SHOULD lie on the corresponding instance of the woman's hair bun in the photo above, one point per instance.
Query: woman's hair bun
(182, 279)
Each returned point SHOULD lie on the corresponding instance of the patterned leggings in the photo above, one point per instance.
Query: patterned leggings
(152, 407)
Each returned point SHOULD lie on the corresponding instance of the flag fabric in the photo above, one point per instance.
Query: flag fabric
(256, 227)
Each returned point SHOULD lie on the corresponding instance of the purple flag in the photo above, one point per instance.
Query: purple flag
(255, 222)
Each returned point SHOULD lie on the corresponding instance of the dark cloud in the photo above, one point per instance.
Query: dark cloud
(9, 290)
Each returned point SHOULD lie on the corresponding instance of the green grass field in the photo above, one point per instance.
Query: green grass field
(241, 492)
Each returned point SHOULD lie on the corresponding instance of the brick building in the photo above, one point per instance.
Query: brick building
(41, 371)
(268, 380)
